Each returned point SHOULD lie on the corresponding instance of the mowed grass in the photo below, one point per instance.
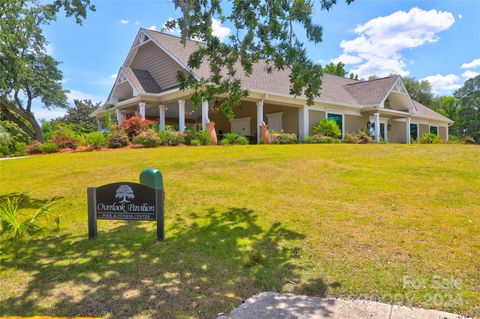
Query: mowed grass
(398, 223)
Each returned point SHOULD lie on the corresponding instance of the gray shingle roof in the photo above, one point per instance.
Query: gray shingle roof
(141, 80)
(335, 89)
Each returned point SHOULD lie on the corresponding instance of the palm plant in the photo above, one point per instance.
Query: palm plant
(12, 226)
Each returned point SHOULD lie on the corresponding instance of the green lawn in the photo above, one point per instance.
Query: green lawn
(392, 222)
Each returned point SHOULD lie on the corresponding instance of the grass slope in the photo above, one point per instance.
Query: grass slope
(392, 222)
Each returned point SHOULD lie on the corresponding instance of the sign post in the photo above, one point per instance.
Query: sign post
(128, 201)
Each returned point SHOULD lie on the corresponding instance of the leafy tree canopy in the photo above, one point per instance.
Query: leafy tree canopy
(28, 73)
(267, 30)
(79, 116)
(469, 114)
(420, 91)
(339, 70)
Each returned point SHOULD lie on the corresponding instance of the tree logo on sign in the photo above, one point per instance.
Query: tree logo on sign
(124, 192)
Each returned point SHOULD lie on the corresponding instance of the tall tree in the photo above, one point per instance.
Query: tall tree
(339, 70)
(450, 107)
(469, 115)
(79, 116)
(27, 72)
(420, 91)
(262, 30)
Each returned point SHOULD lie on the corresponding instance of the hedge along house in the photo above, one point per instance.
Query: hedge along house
(147, 85)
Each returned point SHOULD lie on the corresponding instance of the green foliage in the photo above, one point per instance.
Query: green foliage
(262, 31)
(118, 138)
(320, 139)
(13, 226)
(430, 138)
(108, 123)
(79, 116)
(12, 140)
(95, 139)
(327, 127)
(176, 138)
(420, 91)
(283, 138)
(15, 132)
(361, 137)
(338, 70)
(469, 115)
(148, 138)
(20, 149)
(195, 142)
(64, 136)
(48, 148)
(233, 139)
(202, 137)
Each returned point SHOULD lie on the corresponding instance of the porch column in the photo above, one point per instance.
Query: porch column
(407, 130)
(141, 110)
(376, 117)
(119, 116)
(181, 115)
(260, 121)
(446, 132)
(303, 122)
(205, 118)
(161, 111)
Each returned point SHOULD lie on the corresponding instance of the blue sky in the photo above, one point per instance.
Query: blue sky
(436, 40)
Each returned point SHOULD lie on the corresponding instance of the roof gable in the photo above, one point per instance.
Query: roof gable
(372, 92)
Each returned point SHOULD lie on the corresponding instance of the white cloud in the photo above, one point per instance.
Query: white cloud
(79, 95)
(347, 59)
(219, 30)
(152, 27)
(124, 21)
(137, 23)
(47, 115)
(460, 17)
(470, 74)
(473, 64)
(379, 42)
(107, 81)
(443, 84)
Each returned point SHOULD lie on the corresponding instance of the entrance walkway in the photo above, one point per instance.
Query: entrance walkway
(269, 305)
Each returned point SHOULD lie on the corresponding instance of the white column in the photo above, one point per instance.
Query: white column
(260, 121)
(303, 122)
(141, 110)
(205, 118)
(446, 131)
(161, 110)
(377, 126)
(181, 115)
(119, 116)
(407, 130)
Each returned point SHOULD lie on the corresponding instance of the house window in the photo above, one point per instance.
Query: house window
(414, 131)
(337, 118)
(382, 130)
(434, 130)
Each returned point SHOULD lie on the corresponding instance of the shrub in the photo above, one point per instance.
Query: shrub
(135, 125)
(176, 138)
(320, 139)
(15, 226)
(48, 148)
(34, 148)
(328, 128)
(148, 138)
(283, 138)
(16, 133)
(20, 149)
(195, 142)
(468, 140)
(351, 138)
(95, 139)
(4, 150)
(118, 138)
(430, 138)
(65, 137)
(204, 138)
(233, 139)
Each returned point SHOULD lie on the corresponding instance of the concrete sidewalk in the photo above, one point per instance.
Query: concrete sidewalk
(269, 305)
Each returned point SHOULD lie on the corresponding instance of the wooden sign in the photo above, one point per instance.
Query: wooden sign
(125, 201)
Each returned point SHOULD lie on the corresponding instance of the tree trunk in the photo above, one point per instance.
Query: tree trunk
(36, 133)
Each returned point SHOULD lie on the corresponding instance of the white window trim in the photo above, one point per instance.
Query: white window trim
(384, 121)
(437, 126)
(343, 120)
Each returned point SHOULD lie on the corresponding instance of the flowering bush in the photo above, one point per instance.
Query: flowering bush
(176, 138)
(65, 137)
(34, 148)
(283, 138)
(320, 139)
(135, 125)
(148, 138)
(118, 138)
